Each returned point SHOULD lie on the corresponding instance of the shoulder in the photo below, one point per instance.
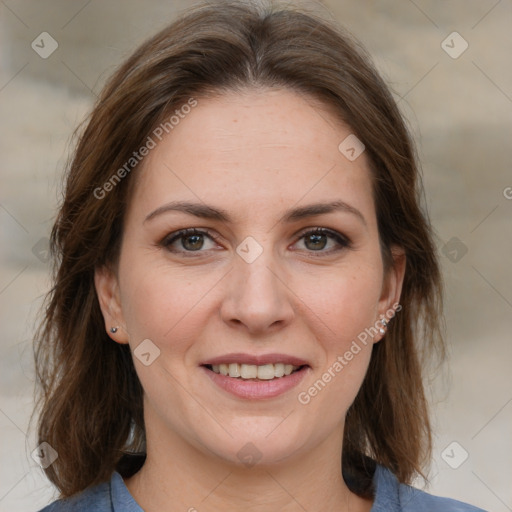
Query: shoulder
(391, 496)
(110, 496)
(94, 499)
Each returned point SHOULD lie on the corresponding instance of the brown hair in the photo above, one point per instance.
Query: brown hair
(90, 396)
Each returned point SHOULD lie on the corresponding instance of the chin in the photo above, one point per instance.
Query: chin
(260, 448)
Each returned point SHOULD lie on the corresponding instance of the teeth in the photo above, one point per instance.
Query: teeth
(248, 371)
(279, 369)
(266, 372)
(251, 371)
(234, 370)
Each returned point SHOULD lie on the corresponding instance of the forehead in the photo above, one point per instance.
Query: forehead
(252, 150)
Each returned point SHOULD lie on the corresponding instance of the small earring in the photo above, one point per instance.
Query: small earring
(113, 330)
(384, 325)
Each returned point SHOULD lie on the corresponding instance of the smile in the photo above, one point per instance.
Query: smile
(255, 382)
(252, 371)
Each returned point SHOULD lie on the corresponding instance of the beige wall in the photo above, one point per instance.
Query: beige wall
(461, 111)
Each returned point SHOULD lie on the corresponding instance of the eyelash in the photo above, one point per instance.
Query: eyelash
(342, 241)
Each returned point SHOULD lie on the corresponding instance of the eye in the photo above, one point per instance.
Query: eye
(189, 240)
(322, 240)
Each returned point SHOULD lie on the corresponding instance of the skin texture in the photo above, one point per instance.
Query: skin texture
(255, 155)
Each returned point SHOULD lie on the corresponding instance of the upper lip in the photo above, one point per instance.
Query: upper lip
(257, 360)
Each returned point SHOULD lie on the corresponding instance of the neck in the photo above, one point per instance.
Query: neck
(179, 476)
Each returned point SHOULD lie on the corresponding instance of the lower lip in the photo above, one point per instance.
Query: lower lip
(257, 389)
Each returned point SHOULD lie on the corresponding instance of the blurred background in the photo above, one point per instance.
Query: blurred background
(449, 65)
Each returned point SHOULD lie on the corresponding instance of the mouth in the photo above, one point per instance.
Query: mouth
(257, 378)
(252, 372)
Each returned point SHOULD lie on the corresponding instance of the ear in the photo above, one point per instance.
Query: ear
(389, 302)
(107, 289)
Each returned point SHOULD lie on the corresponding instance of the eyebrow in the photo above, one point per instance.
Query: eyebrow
(204, 211)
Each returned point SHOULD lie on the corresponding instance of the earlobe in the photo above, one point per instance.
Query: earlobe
(107, 290)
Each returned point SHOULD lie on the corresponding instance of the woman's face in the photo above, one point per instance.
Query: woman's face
(280, 264)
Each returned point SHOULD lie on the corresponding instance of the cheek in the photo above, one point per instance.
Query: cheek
(342, 303)
(164, 304)
(341, 318)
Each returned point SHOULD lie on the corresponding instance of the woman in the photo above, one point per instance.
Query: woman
(245, 281)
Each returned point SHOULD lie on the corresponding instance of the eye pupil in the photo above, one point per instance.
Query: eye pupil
(192, 242)
(318, 241)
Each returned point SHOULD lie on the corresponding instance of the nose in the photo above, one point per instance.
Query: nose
(257, 298)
